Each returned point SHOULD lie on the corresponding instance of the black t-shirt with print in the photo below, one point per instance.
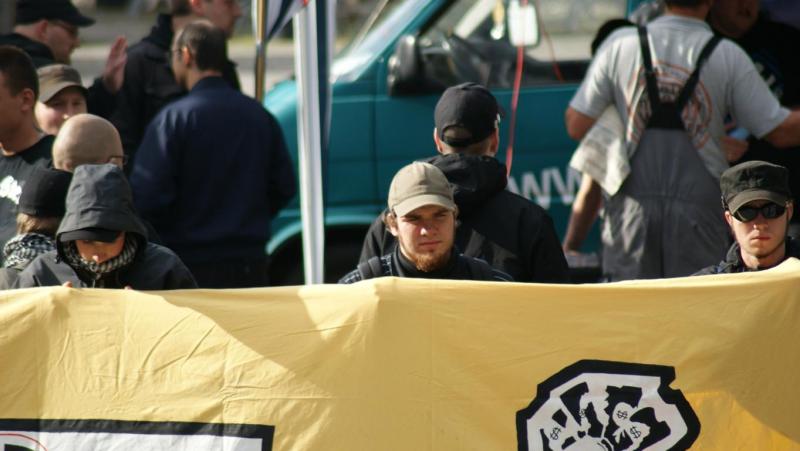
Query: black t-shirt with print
(14, 172)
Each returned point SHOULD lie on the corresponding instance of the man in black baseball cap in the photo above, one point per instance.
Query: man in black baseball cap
(510, 232)
(758, 206)
(467, 118)
(48, 31)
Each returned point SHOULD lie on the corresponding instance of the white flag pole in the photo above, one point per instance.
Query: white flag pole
(309, 143)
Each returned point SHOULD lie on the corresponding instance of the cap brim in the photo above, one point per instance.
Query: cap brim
(409, 205)
(746, 197)
(47, 94)
(106, 236)
(78, 19)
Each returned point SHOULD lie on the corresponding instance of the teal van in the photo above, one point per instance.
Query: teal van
(386, 84)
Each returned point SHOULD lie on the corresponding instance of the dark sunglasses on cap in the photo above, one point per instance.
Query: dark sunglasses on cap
(768, 211)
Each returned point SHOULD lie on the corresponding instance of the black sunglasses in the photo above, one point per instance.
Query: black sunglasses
(768, 211)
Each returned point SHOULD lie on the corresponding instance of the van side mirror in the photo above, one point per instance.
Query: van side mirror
(405, 75)
(523, 24)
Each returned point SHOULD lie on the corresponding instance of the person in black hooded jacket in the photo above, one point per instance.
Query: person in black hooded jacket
(511, 233)
(758, 208)
(149, 82)
(101, 243)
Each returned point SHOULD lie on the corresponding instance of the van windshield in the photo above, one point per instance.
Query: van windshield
(388, 18)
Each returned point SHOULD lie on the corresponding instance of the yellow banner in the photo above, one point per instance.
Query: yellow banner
(708, 363)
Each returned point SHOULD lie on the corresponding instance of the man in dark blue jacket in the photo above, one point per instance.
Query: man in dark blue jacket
(213, 169)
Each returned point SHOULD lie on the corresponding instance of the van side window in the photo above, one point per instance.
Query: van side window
(471, 41)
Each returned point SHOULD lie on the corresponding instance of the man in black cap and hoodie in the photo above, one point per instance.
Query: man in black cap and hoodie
(758, 207)
(47, 30)
(41, 207)
(101, 243)
(508, 231)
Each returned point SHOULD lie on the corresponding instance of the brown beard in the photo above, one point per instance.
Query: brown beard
(430, 262)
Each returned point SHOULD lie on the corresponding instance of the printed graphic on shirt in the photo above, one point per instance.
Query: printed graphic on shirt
(696, 114)
(10, 189)
(69, 435)
(611, 406)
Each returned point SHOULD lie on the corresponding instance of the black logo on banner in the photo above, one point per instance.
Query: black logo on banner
(608, 406)
(11, 441)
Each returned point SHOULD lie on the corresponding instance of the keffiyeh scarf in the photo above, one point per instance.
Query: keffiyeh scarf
(74, 259)
(23, 249)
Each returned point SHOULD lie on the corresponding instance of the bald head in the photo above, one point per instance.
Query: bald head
(86, 139)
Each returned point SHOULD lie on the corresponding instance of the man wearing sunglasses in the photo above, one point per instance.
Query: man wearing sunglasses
(49, 31)
(758, 207)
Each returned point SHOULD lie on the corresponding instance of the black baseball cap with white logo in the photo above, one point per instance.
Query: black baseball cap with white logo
(470, 107)
(30, 11)
(754, 180)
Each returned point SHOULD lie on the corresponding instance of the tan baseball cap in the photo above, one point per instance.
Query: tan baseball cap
(417, 185)
(55, 77)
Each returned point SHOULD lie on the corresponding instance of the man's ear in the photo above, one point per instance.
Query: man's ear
(494, 143)
(789, 210)
(729, 218)
(436, 141)
(40, 29)
(28, 100)
(391, 223)
(186, 56)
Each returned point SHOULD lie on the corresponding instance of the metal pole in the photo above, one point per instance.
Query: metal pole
(8, 13)
(261, 49)
(309, 143)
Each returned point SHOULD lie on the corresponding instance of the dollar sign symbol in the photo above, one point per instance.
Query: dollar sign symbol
(635, 432)
(622, 415)
(554, 434)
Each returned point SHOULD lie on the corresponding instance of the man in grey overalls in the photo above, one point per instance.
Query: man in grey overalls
(673, 85)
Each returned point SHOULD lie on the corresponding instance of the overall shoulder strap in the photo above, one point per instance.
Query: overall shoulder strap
(649, 73)
(691, 83)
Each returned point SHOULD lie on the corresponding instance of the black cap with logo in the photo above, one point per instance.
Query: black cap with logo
(754, 180)
(30, 11)
(470, 107)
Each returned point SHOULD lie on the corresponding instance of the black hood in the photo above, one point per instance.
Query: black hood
(100, 197)
(39, 53)
(161, 33)
(474, 178)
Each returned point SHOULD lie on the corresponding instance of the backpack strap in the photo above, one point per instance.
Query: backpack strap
(691, 83)
(479, 269)
(371, 268)
(649, 73)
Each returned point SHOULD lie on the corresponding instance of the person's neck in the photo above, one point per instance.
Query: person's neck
(694, 12)
(23, 139)
(755, 263)
(194, 77)
(27, 31)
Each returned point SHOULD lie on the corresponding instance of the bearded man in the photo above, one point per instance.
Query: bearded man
(421, 216)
